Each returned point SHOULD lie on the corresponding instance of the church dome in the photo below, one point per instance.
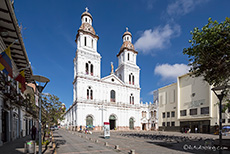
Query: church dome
(86, 13)
(87, 28)
(127, 45)
(127, 33)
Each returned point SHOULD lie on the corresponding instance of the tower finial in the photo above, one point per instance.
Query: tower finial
(86, 9)
(127, 29)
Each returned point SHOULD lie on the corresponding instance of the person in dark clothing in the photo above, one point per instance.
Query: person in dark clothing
(34, 131)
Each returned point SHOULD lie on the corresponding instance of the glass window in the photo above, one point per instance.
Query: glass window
(143, 114)
(163, 114)
(85, 41)
(133, 79)
(193, 111)
(168, 114)
(223, 120)
(228, 120)
(87, 68)
(91, 69)
(163, 123)
(172, 123)
(128, 56)
(91, 94)
(168, 123)
(183, 112)
(129, 79)
(112, 96)
(204, 110)
(173, 114)
(87, 93)
(151, 113)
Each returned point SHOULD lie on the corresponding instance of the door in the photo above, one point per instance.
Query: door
(131, 123)
(112, 122)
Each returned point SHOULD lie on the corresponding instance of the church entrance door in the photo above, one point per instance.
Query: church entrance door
(112, 122)
(131, 123)
(89, 122)
(144, 126)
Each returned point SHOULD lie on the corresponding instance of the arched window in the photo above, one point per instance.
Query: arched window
(89, 121)
(91, 69)
(129, 78)
(131, 123)
(133, 79)
(128, 56)
(131, 99)
(151, 114)
(85, 19)
(89, 93)
(85, 40)
(87, 68)
(112, 96)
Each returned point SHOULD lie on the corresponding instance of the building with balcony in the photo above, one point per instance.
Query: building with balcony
(16, 114)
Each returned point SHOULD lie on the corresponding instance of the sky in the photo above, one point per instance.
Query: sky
(160, 31)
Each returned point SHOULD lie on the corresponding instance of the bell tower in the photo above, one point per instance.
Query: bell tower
(127, 70)
(87, 62)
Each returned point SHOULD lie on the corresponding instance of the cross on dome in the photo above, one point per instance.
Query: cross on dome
(127, 28)
(86, 9)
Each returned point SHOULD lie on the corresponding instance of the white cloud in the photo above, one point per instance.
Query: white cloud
(183, 7)
(171, 72)
(151, 92)
(157, 38)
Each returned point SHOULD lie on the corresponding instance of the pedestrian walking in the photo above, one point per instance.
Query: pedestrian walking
(34, 131)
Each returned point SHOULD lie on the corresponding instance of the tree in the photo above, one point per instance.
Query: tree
(52, 110)
(209, 54)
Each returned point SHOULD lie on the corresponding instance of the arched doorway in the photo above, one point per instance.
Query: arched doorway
(89, 122)
(131, 123)
(112, 122)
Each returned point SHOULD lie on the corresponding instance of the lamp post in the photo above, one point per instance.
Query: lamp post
(220, 92)
(44, 80)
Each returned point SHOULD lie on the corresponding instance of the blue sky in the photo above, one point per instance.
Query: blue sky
(160, 30)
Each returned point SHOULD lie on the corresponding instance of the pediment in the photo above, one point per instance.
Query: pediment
(112, 78)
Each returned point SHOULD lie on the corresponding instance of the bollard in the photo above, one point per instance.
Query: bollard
(132, 151)
(117, 147)
(96, 141)
(106, 144)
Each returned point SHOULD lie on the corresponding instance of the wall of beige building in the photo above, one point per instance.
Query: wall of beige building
(194, 104)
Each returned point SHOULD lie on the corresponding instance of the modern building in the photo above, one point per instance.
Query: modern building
(189, 104)
(114, 98)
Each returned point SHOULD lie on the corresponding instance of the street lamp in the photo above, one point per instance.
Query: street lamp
(220, 92)
(44, 80)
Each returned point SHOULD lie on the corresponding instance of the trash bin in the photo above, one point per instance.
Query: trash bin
(30, 147)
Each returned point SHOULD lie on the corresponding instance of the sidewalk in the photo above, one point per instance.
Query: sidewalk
(17, 146)
(14, 147)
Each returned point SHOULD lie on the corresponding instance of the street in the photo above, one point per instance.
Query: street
(70, 142)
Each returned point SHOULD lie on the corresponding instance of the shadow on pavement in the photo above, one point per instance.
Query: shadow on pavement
(60, 142)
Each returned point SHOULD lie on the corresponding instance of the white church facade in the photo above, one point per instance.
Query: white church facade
(114, 98)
